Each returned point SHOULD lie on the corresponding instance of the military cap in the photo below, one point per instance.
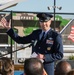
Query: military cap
(44, 17)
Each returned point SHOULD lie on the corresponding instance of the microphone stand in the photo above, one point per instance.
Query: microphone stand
(15, 50)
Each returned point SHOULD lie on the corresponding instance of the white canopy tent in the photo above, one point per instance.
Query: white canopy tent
(9, 4)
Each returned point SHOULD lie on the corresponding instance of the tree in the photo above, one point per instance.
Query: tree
(63, 21)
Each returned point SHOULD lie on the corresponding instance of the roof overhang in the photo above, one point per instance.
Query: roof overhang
(9, 4)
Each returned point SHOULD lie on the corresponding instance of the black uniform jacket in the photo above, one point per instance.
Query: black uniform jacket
(51, 46)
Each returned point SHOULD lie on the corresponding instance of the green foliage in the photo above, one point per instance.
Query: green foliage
(35, 18)
(58, 17)
(29, 30)
(71, 57)
(9, 39)
(63, 21)
(14, 14)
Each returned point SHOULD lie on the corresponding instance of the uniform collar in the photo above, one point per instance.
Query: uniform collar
(46, 31)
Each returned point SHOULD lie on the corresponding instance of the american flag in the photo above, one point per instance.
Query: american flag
(71, 35)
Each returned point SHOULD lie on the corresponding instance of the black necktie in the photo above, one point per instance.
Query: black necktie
(42, 36)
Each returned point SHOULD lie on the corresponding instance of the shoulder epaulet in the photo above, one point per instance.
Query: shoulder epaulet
(55, 33)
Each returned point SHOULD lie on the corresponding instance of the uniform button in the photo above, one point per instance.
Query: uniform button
(39, 47)
(45, 51)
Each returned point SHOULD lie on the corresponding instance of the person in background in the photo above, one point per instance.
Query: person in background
(71, 72)
(33, 66)
(7, 67)
(47, 43)
(62, 68)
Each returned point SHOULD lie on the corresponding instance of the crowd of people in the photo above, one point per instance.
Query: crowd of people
(34, 66)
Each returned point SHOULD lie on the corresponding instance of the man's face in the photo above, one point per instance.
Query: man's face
(45, 25)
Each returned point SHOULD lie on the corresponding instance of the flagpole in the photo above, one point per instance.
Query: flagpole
(54, 13)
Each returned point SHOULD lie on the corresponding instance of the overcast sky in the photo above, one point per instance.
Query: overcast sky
(41, 6)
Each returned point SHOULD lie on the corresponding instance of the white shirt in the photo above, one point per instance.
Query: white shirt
(42, 34)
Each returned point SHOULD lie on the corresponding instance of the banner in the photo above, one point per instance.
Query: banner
(71, 35)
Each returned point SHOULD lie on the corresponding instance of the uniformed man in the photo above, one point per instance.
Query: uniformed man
(47, 43)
